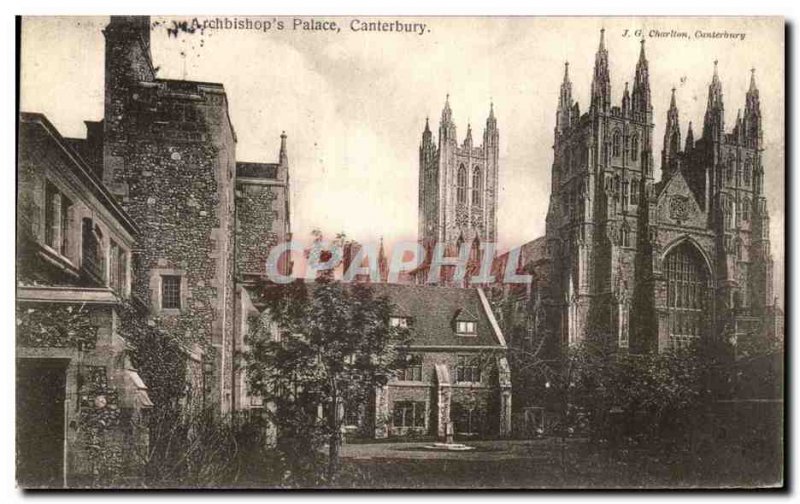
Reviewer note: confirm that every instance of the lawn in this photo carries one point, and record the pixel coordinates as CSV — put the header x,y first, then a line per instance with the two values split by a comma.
x,y
549,464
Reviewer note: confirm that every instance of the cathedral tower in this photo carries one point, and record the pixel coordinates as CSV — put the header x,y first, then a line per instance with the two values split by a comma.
x,y
458,184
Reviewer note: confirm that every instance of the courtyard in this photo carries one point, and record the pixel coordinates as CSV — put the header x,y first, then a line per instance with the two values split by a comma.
x,y
550,463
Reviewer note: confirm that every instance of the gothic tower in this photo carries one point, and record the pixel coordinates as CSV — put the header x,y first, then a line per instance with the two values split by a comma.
x,y
599,205
458,184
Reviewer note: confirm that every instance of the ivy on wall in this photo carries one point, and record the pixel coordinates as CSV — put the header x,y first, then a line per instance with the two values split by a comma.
x,y
59,326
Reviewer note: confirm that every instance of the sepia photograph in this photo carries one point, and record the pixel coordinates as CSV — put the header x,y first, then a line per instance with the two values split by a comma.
x,y
400,252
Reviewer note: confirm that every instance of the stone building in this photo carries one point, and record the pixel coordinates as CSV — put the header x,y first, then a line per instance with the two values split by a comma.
x,y
75,243
176,224
457,371
652,264
457,191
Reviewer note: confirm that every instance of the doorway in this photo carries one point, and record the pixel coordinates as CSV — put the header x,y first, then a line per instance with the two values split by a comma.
x,y
41,388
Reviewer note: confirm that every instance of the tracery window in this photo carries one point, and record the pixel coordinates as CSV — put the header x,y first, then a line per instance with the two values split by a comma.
x,y
461,185
477,185
616,144
688,294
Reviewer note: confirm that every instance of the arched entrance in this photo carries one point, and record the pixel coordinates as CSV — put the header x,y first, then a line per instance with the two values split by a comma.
x,y
689,294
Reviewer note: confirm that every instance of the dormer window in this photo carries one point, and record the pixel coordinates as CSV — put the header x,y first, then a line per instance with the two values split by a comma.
x,y
465,328
399,322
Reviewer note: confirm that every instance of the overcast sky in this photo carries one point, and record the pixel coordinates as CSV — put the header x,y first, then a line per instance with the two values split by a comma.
x,y
354,104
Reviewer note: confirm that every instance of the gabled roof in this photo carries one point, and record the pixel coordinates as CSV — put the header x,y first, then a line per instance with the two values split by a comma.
x,y
434,309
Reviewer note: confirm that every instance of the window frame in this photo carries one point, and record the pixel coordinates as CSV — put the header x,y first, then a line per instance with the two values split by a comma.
x,y
465,329
412,371
468,370
417,410
163,290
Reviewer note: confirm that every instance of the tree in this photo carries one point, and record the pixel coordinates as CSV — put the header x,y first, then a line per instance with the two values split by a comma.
x,y
315,351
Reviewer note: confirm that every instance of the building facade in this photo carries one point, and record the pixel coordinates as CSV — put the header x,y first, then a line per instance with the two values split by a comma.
x,y
161,214
458,184
457,371
653,264
73,275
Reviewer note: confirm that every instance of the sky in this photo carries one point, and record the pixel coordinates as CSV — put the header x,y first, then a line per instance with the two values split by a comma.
x,y
353,104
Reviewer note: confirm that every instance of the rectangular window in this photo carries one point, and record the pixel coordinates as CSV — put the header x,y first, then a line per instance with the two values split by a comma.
x,y
467,370
466,328
66,211
57,212
409,414
170,292
118,268
413,369
51,209
398,321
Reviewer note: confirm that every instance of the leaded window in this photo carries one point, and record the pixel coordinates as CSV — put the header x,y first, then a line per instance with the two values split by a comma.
x,y
688,294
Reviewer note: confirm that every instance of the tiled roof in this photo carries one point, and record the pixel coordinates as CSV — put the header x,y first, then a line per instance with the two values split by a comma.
x,y
433,310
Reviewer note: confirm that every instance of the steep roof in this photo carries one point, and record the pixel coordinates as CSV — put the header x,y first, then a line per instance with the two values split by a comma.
x,y
434,310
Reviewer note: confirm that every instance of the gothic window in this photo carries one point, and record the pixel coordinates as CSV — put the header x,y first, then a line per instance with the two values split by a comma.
x,y
738,250
728,211
745,210
688,290
461,185
625,238
477,185
625,193
748,169
634,192
635,148
616,144
729,170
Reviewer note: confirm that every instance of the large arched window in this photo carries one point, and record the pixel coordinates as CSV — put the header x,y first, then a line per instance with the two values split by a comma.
x,y
616,144
461,185
635,148
477,185
688,294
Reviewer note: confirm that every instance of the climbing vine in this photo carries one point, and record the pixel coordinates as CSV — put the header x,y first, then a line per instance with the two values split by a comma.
x,y
55,326
99,416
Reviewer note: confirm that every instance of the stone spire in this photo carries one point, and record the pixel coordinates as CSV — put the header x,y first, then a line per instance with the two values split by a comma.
x,y
689,138
752,113
564,102
714,121
601,82
447,128
626,100
383,263
468,139
672,138
641,85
